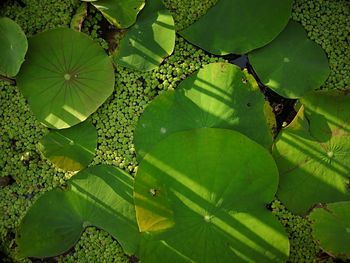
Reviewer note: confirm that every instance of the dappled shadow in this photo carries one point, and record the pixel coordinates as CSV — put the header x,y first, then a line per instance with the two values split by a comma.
x,y
313,159
109,205
208,213
142,47
200,103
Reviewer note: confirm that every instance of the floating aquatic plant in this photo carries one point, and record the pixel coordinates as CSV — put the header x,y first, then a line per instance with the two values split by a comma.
x,y
98,196
146,44
331,227
198,183
79,17
312,153
70,149
292,64
218,95
120,13
200,196
13,47
65,78
239,26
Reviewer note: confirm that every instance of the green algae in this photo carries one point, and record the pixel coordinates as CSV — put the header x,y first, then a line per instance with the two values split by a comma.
x,y
326,22
302,246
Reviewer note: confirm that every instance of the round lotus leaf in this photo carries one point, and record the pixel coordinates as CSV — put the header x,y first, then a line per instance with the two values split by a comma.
x,y
331,227
98,196
149,41
200,196
312,153
13,46
65,78
70,149
292,64
219,95
120,13
239,26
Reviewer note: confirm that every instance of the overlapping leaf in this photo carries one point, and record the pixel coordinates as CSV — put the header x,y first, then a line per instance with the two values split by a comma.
x,y
331,227
100,196
120,13
292,64
70,149
219,95
200,196
312,153
239,26
149,41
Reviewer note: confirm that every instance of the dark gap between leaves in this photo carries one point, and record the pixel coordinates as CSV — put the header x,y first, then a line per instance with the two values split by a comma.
x,y
283,108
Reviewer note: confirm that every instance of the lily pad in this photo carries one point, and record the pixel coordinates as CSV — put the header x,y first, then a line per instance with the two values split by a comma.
x,y
78,19
219,95
100,196
239,26
331,227
65,78
149,41
70,149
312,153
292,64
200,196
120,13
13,46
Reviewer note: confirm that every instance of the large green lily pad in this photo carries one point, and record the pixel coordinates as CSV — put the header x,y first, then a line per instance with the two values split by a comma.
x,y
65,78
331,227
200,196
100,196
13,46
149,41
121,13
312,153
292,64
70,149
239,26
219,95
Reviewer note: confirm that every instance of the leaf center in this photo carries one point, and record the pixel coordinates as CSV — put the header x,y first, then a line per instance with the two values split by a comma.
x,y
67,76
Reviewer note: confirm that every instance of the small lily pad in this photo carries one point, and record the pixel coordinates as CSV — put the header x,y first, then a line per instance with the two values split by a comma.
x,y
98,196
292,64
13,46
149,41
239,26
65,78
78,19
312,153
219,95
200,196
70,149
120,13
331,227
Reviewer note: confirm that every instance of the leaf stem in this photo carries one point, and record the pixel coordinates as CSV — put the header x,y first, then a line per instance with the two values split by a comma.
x,y
9,80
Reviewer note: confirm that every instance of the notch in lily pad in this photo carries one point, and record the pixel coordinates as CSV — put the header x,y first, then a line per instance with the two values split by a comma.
x,y
98,196
219,95
292,64
200,196
13,46
312,153
145,45
65,78
239,26
71,149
